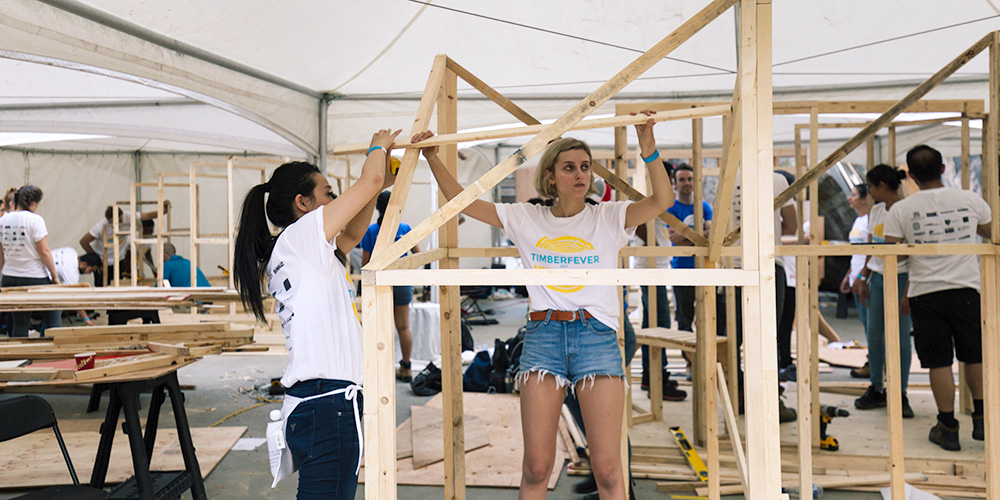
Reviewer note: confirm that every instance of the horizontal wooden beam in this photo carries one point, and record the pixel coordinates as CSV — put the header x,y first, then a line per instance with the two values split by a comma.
x,y
458,253
616,121
419,259
899,249
561,277
846,107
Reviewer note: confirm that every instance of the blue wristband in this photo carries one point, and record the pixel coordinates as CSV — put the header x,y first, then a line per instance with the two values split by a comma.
x,y
652,157
862,278
373,148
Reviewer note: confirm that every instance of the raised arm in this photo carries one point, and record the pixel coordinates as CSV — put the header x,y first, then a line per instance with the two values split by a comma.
x,y
347,217
150,215
480,210
662,198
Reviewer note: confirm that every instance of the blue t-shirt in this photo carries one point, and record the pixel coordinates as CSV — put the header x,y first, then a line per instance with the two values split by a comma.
x,y
177,270
685,213
368,242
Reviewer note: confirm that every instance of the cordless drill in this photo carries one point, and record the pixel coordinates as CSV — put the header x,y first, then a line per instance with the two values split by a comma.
x,y
826,415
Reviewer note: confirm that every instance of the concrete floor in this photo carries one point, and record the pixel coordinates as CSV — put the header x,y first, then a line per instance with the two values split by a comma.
x,y
231,382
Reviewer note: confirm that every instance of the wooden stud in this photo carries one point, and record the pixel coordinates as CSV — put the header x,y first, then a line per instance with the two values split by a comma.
x,y
727,178
756,158
991,304
159,234
733,429
870,152
892,146
971,106
535,145
966,170
193,220
455,69
451,328
894,387
380,405
614,277
814,229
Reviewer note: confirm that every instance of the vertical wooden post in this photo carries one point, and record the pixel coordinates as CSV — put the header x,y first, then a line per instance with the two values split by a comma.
x,y
870,152
894,387
231,232
104,249
892,146
621,170
159,235
990,303
193,218
757,157
451,328
703,368
732,347
133,246
812,361
804,335
966,154
380,403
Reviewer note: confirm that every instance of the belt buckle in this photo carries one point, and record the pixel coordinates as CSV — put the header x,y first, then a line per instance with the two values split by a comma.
x,y
576,315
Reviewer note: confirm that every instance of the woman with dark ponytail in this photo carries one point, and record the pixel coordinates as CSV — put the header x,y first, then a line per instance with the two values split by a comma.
x,y
883,185
305,273
401,295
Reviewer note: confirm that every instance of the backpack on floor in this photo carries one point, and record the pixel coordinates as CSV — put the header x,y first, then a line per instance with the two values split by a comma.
x,y
427,382
477,375
506,362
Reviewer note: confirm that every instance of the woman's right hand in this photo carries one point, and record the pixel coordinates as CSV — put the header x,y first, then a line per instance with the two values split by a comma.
x,y
860,289
430,151
385,139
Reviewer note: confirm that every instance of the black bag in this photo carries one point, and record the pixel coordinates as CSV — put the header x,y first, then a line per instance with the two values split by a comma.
x,y
468,344
427,382
506,362
477,376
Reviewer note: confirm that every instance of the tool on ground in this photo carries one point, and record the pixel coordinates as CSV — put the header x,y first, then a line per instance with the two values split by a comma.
x,y
225,272
690,453
826,415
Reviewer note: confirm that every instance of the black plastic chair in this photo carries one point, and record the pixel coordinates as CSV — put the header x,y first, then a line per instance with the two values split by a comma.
x,y
23,415
471,311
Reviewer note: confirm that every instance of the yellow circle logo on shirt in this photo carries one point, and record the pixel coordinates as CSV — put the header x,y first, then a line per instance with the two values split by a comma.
x,y
564,244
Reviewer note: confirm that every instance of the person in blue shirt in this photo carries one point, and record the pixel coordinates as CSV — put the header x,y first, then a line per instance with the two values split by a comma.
x,y
401,295
177,269
683,209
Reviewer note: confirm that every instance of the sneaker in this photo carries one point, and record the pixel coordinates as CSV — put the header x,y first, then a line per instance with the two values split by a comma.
x,y
863,372
403,374
785,414
586,487
672,393
907,411
872,398
787,374
945,437
978,431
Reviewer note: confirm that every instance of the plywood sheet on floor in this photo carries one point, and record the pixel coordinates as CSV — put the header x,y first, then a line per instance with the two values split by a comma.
x,y
497,465
428,435
35,460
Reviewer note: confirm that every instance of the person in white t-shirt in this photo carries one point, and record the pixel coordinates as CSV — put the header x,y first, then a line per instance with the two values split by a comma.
x,y
25,258
100,239
943,290
883,183
858,235
570,338
70,265
304,268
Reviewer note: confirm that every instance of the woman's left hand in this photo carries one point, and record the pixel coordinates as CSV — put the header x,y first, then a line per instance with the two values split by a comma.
x,y
647,143
390,177
904,306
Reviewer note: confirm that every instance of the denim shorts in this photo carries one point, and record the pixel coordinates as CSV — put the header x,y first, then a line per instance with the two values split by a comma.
x,y
570,350
402,295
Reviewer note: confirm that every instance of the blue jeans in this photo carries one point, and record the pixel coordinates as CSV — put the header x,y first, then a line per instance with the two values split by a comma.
x,y
863,312
21,321
876,332
323,438
662,320
570,350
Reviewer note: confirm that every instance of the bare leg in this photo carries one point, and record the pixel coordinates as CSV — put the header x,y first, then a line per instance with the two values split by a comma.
x,y
401,314
974,377
541,407
602,406
943,387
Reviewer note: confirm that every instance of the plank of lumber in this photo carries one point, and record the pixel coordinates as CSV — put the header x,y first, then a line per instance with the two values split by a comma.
x,y
144,363
159,328
428,435
29,374
170,349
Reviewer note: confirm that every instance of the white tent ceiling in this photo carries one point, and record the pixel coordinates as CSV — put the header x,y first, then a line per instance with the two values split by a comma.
x,y
192,75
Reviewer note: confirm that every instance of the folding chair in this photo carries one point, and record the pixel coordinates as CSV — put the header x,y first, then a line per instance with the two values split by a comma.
x,y
471,311
23,415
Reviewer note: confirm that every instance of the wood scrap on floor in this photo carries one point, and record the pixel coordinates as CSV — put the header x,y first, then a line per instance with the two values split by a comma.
x,y
35,461
428,435
497,465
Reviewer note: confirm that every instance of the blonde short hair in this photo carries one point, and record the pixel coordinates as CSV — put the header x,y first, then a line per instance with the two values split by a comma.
x,y
547,163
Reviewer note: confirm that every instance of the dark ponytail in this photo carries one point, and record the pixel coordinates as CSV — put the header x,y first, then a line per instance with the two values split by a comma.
x,y
381,204
884,174
254,241
27,195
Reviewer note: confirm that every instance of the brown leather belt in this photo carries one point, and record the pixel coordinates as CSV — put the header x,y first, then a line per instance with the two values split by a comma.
x,y
558,315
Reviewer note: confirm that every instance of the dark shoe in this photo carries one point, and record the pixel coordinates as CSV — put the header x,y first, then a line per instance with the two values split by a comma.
x,y
586,487
787,374
907,411
672,393
644,385
945,437
403,373
978,432
863,372
872,398
785,414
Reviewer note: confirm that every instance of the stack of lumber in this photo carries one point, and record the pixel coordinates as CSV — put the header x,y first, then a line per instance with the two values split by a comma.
x,y
120,350
43,298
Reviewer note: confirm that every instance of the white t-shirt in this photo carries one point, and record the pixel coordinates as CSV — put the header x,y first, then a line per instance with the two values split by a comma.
x,y
876,225
315,304
104,247
939,215
662,240
590,239
858,234
67,265
19,233
780,184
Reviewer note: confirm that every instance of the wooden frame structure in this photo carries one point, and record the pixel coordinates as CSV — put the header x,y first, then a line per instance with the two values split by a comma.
x,y
747,141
